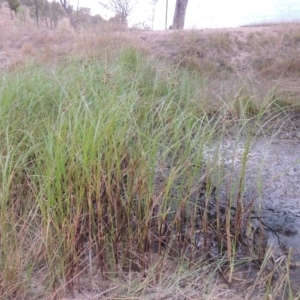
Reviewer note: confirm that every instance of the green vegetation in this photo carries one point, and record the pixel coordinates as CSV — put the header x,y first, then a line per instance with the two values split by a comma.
x,y
105,174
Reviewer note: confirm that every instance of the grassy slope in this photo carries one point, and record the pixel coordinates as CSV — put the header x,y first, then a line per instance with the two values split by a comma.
x,y
84,145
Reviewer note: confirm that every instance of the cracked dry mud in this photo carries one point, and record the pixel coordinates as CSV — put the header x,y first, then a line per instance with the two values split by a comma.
x,y
274,164
272,180
272,176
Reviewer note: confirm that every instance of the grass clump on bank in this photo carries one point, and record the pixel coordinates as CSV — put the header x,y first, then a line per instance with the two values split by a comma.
x,y
105,174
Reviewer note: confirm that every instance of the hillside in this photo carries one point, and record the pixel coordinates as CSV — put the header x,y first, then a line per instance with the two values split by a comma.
x,y
266,55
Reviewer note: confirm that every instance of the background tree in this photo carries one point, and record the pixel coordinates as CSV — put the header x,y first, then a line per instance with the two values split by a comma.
x,y
153,5
97,19
122,8
55,13
118,22
43,10
179,14
37,12
13,6
83,16
68,8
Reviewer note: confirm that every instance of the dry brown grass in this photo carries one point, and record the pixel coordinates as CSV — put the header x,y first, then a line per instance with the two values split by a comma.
x,y
22,42
260,58
22,45
266,54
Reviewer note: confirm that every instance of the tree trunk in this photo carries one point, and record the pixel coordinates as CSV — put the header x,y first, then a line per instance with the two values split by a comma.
x,y
37,14
179,15
69,11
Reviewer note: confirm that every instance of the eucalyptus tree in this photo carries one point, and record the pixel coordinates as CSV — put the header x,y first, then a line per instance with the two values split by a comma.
x,y
13,6
46,11
68,8
153,5
179,14
121,8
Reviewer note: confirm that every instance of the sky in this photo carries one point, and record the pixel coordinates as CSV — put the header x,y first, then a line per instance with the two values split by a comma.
x,y
208,14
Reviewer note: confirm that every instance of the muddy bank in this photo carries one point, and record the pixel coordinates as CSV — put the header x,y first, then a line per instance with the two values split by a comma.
x,y
272,174
272,184
273,170
273,180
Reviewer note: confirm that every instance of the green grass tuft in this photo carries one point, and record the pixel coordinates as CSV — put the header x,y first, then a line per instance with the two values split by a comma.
x,y
103,163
